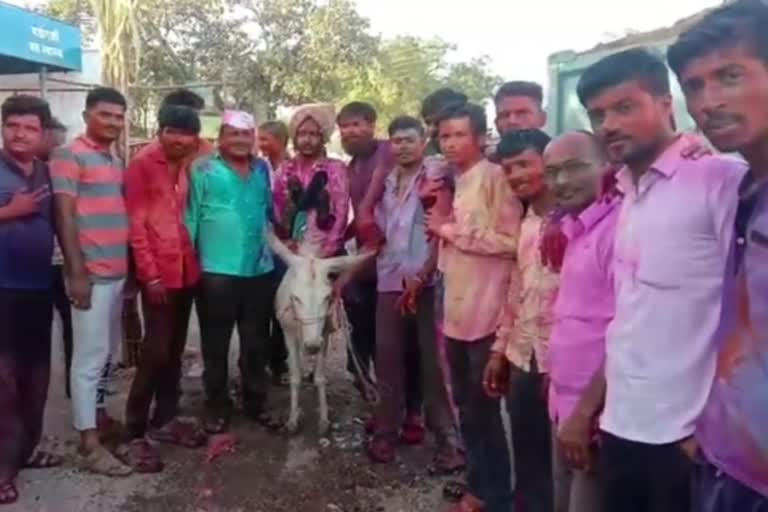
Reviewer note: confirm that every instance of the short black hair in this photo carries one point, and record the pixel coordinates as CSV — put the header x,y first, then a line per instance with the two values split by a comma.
x,y
277,129
515,142
475,113
24,105
521,88
184,98
744,22
105,95
357,109
442,99
179,117
638,64
405,123
55,124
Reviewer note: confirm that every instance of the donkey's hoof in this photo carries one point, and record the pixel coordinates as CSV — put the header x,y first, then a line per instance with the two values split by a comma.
x,y
292,426
323,427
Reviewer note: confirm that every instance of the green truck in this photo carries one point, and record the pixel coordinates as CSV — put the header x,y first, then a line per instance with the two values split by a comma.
x,y
565,68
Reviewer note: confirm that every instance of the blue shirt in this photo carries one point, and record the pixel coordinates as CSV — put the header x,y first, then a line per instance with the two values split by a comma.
x,y
26,243
227,215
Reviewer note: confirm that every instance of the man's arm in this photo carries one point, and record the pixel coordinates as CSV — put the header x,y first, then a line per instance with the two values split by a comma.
x,y
338,189
136,205
196,191
374,192
65,175
575,432
497,238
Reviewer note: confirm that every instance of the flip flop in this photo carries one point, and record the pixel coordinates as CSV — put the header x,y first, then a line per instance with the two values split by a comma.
x,y
142,457
43,460
8,493
101,462
181,433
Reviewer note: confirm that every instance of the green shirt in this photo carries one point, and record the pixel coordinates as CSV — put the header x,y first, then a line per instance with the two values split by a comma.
x,y
227,216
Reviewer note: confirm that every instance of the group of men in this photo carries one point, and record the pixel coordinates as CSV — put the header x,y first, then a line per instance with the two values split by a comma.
x,y
610,285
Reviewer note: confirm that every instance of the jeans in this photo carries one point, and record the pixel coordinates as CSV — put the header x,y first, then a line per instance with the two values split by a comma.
x,y
25,362
482,430
226,302
396,336
714,491
97,333
639,477
158,373
531,439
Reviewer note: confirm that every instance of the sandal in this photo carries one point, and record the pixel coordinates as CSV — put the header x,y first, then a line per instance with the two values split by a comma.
x,y
447,464
413,431
43,460
381,451
142,457
455,490
182,433
8,493
469,503
216,424
101,462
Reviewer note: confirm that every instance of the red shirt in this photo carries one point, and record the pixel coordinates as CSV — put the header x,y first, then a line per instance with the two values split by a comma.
x,y
160,241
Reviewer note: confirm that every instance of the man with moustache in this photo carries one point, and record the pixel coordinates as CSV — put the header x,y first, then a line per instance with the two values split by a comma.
x,y
722,66
672,245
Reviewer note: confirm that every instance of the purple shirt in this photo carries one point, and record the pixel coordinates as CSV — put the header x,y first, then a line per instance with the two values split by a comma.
x,y
585,305
361,169
401,219
733,430
673,238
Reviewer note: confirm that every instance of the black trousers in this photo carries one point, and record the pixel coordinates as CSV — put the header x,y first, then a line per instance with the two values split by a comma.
x,y
25,364
639,477
63,308
226,302
531,439
360,305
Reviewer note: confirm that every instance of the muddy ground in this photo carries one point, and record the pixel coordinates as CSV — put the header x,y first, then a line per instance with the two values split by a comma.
x,y
267,472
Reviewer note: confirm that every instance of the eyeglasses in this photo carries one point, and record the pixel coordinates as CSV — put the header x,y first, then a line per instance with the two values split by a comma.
x,y
567,170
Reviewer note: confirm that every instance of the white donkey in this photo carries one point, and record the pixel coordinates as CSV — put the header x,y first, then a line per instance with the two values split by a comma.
x,y
303,306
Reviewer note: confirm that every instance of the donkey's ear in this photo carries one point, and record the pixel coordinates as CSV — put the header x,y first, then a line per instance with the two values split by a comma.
x,y
339,264
279,248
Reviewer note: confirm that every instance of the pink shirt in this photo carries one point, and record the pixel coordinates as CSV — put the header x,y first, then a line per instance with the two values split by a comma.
x,y
526,321
477,252
672,242
330,241
584,307
733,430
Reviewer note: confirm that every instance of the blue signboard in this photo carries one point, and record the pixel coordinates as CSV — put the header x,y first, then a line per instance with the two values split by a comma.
x,y
30,41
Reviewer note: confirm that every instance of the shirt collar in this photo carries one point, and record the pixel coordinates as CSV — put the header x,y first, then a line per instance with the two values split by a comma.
x,y
665,166
85,139
37,165
589,218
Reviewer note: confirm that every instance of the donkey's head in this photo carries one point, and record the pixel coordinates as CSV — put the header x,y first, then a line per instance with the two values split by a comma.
x,y
305,295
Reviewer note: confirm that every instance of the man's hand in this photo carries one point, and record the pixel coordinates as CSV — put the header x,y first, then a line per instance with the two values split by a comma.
x,y
496,375
156,293
412,287
689,447
552,246
695,147
575,438
23,204
79,290
434,220
340,283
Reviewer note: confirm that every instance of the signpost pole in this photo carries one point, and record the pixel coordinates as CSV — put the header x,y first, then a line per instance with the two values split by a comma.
x,y
44,82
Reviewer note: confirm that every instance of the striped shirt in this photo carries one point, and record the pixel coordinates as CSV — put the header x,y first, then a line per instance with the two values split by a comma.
x,y
92,175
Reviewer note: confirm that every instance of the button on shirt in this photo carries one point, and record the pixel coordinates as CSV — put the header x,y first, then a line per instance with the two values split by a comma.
x,y
477,252
733,430
672,242
26,243
584,306
227,215
401,219
527,318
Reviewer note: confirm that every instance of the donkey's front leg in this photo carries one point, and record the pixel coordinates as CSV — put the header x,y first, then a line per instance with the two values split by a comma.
x,y
294,373
323,423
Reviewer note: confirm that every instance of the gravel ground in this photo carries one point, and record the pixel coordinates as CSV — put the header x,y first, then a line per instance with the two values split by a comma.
x,y
266,472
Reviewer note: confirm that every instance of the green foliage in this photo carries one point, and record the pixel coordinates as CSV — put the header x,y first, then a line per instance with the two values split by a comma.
x,y
271,53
